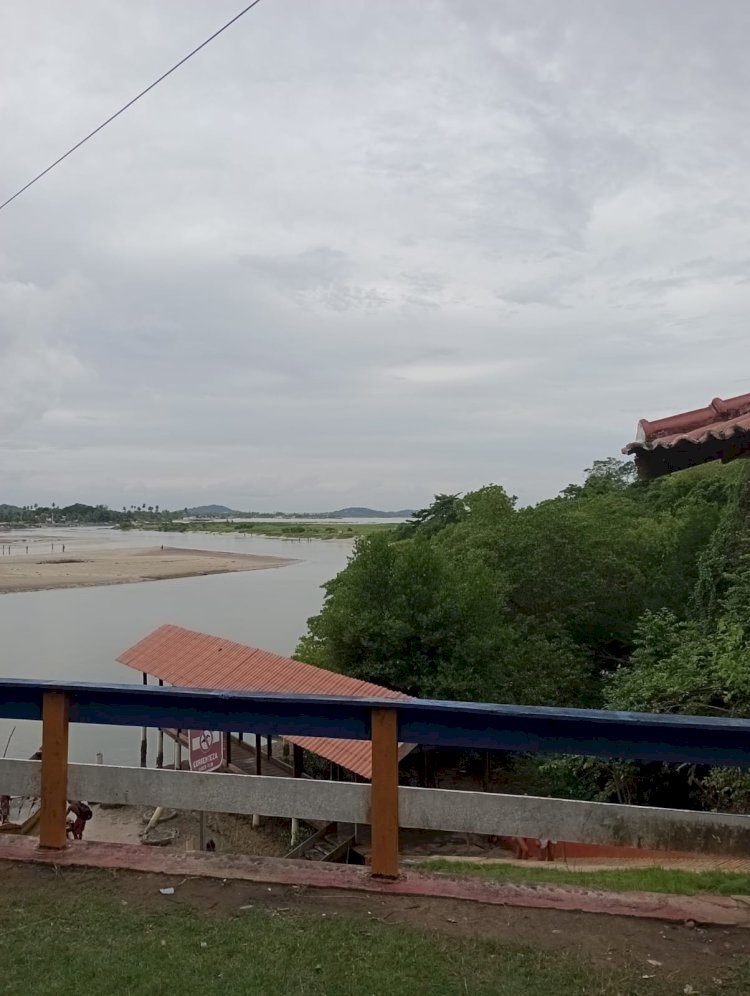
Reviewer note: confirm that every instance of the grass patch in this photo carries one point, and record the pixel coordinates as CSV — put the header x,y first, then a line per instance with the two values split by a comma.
x,y
67,939
282,530
670,880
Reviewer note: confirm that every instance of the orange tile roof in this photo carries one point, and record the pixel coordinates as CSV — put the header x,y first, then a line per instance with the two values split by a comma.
x,y
188,659
720,431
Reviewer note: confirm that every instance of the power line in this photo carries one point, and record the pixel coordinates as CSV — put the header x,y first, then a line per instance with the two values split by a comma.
x,y
129,104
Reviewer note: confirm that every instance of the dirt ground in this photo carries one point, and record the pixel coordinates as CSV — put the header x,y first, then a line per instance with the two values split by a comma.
x,y
230,833
437,844
235,834
35,572
687,955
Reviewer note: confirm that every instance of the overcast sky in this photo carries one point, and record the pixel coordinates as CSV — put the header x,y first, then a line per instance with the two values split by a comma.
x,y
358,252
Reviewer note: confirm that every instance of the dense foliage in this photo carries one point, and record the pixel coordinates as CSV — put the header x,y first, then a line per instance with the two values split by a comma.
x,y
617,593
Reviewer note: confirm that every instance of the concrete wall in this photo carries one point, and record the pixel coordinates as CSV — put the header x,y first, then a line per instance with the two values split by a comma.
x,y
20,777
435,809
221,793
570,820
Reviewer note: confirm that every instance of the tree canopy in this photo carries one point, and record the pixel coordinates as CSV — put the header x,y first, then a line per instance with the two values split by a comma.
x,y
618,593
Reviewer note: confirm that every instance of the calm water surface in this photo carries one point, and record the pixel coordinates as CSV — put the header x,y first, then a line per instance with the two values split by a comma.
x,y
77,633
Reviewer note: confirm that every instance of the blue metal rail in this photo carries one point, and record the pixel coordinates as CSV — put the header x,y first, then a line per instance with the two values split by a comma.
x,y
641,736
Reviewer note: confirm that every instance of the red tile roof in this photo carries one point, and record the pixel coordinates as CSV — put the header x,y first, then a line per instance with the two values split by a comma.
x,y
188,659
720,431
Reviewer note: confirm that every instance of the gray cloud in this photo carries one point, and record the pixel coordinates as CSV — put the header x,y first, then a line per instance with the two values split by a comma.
x,y
361,253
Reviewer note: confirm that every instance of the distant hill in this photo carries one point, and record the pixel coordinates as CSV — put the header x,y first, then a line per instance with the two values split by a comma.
x,y
213,511
353,512
80,512
368,513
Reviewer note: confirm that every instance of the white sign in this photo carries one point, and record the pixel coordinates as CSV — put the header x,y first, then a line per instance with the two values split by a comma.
x,y
206,750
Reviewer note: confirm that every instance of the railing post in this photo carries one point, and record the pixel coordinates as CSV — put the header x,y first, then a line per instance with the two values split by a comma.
x,y
384,794
52,831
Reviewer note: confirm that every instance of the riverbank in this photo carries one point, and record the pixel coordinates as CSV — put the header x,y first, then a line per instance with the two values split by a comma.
x,y
22,571
279,530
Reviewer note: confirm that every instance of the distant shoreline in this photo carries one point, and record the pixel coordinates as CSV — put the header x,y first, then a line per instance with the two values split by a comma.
x,y
21,572
275,530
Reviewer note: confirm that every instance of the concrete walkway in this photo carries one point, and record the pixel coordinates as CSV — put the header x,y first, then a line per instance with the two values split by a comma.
x,y
715,910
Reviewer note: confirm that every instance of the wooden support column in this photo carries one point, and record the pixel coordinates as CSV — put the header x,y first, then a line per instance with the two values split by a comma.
x,y
54,770
144,734
298,765
297,772
258,771
160,746
384,794
258,754
228,749
269,746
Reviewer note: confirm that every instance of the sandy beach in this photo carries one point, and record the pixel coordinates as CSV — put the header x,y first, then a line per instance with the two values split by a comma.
x,y
35,572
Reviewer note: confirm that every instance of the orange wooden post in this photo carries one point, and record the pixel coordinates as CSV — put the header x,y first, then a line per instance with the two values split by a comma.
x,y
384,794
54,770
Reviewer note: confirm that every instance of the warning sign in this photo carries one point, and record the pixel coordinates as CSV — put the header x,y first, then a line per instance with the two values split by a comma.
x,y
206,750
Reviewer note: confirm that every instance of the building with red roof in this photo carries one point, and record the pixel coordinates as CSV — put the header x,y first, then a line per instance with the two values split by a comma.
x,y
720,431
188,659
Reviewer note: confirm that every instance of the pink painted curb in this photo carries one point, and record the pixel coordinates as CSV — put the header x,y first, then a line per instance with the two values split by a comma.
x,y
715,910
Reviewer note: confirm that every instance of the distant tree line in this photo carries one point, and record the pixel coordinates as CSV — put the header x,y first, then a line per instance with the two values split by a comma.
x,y
80,514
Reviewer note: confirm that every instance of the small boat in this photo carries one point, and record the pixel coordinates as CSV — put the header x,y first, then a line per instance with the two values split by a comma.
x,y
23,811
23,816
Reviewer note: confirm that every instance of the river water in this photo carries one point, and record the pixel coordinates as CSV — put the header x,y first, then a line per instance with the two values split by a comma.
x,y
76,633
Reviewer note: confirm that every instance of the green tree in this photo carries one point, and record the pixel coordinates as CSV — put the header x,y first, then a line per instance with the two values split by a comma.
x,y
618,593
444,511
418,619
604,475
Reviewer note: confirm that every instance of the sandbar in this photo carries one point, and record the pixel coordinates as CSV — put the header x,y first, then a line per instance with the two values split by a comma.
x,y
32,572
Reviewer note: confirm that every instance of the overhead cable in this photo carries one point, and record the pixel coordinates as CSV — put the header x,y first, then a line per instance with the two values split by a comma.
x,y
130,103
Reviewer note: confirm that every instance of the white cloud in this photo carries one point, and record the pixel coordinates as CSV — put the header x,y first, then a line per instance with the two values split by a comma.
x,y
37,364
359,253
447,373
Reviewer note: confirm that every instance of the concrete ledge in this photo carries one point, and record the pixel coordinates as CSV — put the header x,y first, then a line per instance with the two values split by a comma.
x,y
345,802
20,777
714,910
643,827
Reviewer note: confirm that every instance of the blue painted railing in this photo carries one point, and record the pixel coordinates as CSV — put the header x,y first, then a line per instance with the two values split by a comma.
x,y
642,736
